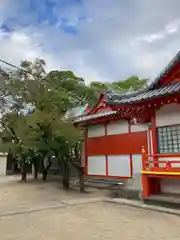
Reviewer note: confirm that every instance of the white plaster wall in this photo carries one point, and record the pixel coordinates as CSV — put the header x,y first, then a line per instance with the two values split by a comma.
x,y
96,131
137,163
135,183
168,115
119,165
170,186
138,127
3,162
97,165
148,142
117,127
151,141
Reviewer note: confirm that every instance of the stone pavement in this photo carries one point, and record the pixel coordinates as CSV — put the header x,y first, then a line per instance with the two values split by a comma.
x,y
40,211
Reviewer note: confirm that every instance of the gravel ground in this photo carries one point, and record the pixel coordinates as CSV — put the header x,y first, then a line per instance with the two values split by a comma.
x,y
91,221
18,196
78,220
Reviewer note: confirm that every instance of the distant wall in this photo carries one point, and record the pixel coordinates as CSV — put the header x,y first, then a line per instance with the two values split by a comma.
x,y
3,164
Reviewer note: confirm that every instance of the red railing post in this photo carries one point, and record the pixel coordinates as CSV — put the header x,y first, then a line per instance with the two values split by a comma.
x,y
156,162
144,158
168,165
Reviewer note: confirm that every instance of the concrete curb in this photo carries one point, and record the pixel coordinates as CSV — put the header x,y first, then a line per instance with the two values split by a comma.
x,y
141,205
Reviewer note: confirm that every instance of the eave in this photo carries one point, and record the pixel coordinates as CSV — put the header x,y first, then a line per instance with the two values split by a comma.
x,y
167,72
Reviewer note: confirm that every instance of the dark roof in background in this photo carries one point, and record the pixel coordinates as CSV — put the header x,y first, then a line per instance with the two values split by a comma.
x,y
76,112
113,98
3,73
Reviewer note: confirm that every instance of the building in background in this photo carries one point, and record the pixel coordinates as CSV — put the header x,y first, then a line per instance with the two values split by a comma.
x,y
136,136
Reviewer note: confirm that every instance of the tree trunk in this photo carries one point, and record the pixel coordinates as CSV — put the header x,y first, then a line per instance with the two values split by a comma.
x,y
46,168
65,176
44,175
81,179
35,167
35,172
23,174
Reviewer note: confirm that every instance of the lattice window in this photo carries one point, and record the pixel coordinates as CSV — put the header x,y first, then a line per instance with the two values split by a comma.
x,y
169,139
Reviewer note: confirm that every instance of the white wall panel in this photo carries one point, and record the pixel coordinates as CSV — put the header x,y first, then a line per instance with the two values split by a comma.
x,y
117,127
170,186
138,127
175,165
137,163
3,162
97,165
96,131
168,115
135,183
151,141
148,141
119,165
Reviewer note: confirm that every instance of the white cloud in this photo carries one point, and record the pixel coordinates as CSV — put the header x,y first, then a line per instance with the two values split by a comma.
x,y
169,29
173,27
115,40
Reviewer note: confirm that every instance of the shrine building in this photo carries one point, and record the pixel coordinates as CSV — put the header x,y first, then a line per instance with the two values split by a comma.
x,y
137,135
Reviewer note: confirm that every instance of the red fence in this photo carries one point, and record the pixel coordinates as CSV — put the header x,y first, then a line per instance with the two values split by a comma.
x,y
151,162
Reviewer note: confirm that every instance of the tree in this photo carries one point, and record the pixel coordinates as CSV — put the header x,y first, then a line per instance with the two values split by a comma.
x,y
129,84
13,139
33,125
41,101
73,89
50,136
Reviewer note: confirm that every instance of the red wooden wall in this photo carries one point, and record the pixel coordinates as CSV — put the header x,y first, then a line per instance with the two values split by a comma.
x,y
129,143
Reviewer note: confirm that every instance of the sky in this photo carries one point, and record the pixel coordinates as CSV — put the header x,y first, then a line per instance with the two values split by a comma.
x,y
100,40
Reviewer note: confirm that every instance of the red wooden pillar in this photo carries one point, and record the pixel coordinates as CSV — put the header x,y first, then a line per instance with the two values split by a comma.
x,y
146,186
131,163
149,185
106,154
144,158
85,152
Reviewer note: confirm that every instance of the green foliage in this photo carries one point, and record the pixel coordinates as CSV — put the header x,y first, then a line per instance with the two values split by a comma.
x,y
72,89
43,132
50,95
132,83
129,84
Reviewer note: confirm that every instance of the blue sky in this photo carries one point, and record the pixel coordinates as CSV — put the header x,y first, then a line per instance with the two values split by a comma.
x,y
101,40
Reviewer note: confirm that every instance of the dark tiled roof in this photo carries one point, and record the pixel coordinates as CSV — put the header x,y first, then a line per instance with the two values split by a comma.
x,y
165,70
116,98
94,116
